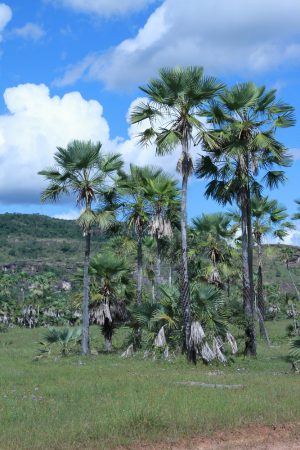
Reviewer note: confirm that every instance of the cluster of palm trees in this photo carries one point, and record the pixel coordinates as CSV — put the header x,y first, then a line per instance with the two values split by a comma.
x,y
234,132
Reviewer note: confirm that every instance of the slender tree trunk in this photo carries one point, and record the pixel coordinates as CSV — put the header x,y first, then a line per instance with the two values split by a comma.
x,y
153,291
260,293
250,260
170,275
185,288
260,289
158,267
139,270
250,335
85,302
262,327
158,260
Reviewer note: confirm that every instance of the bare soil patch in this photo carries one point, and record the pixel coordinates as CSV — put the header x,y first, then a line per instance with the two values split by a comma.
x,y
253,437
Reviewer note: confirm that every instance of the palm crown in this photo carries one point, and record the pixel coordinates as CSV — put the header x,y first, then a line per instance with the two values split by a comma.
x,y
82,171
242,141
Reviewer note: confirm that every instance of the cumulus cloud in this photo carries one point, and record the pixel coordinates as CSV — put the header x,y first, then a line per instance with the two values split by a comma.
x,y
5,17
36,123
235,35
104,8
29,31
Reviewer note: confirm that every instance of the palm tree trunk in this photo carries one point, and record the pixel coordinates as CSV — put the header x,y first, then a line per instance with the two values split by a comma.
x,y
85,302
260,291
107,331
185,288
139,270
158,266
170,275
250,335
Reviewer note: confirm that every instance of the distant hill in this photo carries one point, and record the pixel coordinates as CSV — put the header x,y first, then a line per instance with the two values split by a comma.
x,y
33,239
38,243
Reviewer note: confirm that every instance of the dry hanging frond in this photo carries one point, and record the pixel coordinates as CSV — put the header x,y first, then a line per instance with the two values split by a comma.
x,y
166,353
160,340
217,350
207,353
214,276
128,352
197,334
168,231
99,313
161,227
157,226
232,342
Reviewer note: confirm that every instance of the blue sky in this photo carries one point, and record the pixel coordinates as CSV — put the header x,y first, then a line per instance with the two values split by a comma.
x,y
70,69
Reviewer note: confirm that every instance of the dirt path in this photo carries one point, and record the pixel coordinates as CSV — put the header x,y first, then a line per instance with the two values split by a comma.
x,y
282,437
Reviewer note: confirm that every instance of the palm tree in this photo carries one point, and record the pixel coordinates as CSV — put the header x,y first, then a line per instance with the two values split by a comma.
x,y
241,143
211,232
173,114
109,290
163,197
137,214
268,218
82,170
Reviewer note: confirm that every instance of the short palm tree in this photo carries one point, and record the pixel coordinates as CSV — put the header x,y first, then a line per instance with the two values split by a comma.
x,y
110,285
210,232
82,171
241,143
173,113
164,202
136,210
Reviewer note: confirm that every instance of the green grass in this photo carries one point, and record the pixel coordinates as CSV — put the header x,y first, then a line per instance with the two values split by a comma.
x,y
103,401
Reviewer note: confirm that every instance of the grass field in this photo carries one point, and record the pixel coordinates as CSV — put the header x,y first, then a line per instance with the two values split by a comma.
x,y
103,401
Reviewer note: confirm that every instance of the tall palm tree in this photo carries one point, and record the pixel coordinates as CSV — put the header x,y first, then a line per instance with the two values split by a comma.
x,y
241,143
82,171
136,209
173,114
163,196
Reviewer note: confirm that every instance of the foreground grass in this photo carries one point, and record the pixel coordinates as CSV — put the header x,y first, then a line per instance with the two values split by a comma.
x,y
102,401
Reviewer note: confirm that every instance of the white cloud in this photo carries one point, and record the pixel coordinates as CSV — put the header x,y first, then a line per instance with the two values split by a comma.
x,y
231,35
293,238
5,17
29,31
37,123
71,214
104,8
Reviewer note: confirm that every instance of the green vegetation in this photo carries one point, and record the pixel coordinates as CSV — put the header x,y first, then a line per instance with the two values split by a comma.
x,y
104,401
155,287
